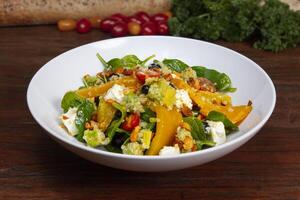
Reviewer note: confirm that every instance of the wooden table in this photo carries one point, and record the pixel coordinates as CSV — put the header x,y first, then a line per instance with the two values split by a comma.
x,y
32,166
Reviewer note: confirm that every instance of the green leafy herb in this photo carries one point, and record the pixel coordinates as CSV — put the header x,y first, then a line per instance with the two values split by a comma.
x,y
221,80
197,128
205,143
115,63
70,100
198,133
105,64
128,61
277,26
217,116
113,148
175,64
147,115
84,114
113,127
91,80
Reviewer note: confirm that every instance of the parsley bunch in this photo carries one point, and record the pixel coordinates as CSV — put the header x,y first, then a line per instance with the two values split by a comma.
x,y
273,26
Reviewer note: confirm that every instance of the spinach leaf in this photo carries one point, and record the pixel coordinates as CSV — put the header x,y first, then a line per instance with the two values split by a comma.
x,y
175,64
119,130
197,128
147,59
114,125
128,61
84,114
112,148
147,115
105,64
197,131
221,80
217,116
206,143
115,63
70,100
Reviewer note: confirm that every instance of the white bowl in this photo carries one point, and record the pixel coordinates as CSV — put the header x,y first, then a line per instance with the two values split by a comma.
x,y
64,73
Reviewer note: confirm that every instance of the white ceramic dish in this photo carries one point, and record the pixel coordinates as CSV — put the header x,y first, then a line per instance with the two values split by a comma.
x,y
64,73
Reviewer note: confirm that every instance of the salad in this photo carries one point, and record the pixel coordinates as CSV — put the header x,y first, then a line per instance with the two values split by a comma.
x,y
162,108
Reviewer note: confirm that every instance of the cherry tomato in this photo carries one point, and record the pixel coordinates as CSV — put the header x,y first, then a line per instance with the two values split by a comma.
x,y
168,13
143,75
134,19
119,17
143,17
162,28
95,21
149,28
131,122
107,24
134,28
66,24
159,17
83,26
119,30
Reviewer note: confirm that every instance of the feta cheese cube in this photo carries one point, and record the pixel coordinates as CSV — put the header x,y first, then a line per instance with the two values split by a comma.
x,y
183,98
116,93
217,131
169,150
68,120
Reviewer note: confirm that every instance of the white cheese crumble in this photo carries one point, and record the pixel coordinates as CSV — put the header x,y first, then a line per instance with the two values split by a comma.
x,y
182,98
68,119
217,131
115,93
169,150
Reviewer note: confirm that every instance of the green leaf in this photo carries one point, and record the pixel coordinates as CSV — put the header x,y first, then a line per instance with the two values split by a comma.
x,y
197,128
145,116
113,127
131,61
221,80
115,63
70,100
220,117
206,143
128,61
104,63
175,64
147,59
84,114
112,148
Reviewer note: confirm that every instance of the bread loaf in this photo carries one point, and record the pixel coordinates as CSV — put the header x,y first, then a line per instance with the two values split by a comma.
x,y
25,12
22,12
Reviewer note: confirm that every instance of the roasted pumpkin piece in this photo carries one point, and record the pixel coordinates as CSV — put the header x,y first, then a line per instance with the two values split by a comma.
x,y
206,96
166,128
105,114
101,89
215,102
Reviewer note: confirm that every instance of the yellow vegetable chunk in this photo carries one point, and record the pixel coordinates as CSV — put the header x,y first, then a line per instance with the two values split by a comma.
x,y
101,89
105,114
169,97
166,128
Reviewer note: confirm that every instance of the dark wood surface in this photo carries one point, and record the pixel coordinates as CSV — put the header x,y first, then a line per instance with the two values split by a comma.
x,y
32,166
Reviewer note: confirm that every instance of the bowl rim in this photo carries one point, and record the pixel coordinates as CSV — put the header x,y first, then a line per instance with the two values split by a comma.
x,y
237,140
